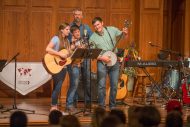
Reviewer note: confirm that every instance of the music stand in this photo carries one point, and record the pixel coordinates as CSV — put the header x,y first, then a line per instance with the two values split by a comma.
x,y
81,53
14,99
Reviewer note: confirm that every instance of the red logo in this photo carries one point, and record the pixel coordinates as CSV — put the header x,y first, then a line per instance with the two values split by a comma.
x,y
24,71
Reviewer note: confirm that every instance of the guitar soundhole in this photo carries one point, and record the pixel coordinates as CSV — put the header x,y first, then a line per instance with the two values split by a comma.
x,y
62,62
121,83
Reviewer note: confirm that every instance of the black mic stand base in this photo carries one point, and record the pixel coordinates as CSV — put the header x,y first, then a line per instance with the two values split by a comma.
x,y
14,108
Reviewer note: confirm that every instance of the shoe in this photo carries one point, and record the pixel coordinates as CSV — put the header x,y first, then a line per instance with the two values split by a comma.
x,y
54,107
112,108
71,110
65,113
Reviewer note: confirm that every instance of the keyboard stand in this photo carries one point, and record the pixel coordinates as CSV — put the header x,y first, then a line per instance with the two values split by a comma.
x,y
155,86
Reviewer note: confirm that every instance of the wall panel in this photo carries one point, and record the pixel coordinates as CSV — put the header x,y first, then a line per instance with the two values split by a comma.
x,y
151,4
17,3
121,4
150,31
70,4
15,33
95,4
42,3
41,23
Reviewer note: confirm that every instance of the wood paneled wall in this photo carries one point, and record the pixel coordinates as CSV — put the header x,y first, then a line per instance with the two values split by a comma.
x,y
27,26
186,48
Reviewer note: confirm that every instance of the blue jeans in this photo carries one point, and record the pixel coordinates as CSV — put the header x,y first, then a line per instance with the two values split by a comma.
x,y
85,71
74,74
57,84
113,73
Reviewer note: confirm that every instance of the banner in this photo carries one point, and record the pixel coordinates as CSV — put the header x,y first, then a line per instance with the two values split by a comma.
x,y
29,76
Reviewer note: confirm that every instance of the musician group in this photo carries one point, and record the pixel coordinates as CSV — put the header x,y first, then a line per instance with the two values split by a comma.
x,y
78,35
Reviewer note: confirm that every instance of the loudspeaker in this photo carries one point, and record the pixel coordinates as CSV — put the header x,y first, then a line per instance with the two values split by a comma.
x,y
94,88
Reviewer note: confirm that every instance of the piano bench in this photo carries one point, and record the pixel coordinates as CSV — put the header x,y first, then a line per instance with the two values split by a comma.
x,y
141,84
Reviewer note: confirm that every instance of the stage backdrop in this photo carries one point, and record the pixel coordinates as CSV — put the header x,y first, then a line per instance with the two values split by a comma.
x,y
29,76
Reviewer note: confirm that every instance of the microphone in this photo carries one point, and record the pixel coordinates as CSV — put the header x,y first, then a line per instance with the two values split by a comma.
x,y
85,33
150,43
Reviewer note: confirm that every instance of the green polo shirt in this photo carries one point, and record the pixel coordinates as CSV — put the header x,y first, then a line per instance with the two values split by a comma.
x,y
104,41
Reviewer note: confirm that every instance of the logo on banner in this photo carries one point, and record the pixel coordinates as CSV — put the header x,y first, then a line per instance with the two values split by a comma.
x,y
24,75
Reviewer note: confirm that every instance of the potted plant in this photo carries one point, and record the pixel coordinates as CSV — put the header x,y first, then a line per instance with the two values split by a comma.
x,y
131,54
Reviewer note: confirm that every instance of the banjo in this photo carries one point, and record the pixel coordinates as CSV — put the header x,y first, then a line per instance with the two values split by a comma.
x,y
111,54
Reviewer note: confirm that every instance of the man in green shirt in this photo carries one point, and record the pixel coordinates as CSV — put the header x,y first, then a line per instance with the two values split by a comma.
x,y
105,38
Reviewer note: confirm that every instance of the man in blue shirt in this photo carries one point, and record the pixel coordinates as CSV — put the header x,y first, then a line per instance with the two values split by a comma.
x,y
85,33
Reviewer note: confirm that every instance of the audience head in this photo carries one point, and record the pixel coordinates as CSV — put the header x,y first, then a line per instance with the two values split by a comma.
x,y
120,114
149,116
174,105
111,121
54,117
188,121
98,115
18,119
134,115
69,121
174,119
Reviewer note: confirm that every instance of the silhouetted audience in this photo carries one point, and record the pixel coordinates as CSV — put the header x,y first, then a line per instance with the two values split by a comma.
x,y
188,121
120,114
174,119
133,116
149,116
111,121
69,121
174,105
98,115
18,119
54,117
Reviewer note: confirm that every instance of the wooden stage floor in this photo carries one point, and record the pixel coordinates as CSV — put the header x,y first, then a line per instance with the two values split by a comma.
x,y
41,107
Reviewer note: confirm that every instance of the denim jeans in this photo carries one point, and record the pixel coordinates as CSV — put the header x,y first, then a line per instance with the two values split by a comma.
x,y
57,84
113,73
74,73
85,71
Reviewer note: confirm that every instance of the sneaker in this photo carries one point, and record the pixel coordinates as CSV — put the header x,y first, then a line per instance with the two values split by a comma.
x,y
71,110
65,113
54,107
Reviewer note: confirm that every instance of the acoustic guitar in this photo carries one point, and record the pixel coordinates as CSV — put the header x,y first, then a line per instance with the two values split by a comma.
x,y
122,82
54,64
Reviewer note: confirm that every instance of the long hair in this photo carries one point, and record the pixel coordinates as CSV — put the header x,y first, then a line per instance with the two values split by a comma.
x,y
64,43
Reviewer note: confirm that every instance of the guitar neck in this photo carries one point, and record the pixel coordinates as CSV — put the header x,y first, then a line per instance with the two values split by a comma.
x,y
120,36
123,62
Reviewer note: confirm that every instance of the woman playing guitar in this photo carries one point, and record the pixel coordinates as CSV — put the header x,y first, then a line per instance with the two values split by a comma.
x,y
59,47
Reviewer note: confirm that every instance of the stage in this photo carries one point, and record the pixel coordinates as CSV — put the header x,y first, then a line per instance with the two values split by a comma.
x,y
41,107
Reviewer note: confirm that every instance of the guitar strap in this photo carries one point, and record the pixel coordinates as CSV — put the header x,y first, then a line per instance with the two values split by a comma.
x,y
109,36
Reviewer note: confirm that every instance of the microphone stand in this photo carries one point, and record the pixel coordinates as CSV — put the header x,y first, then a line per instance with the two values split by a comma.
x,y
14,107
88,55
